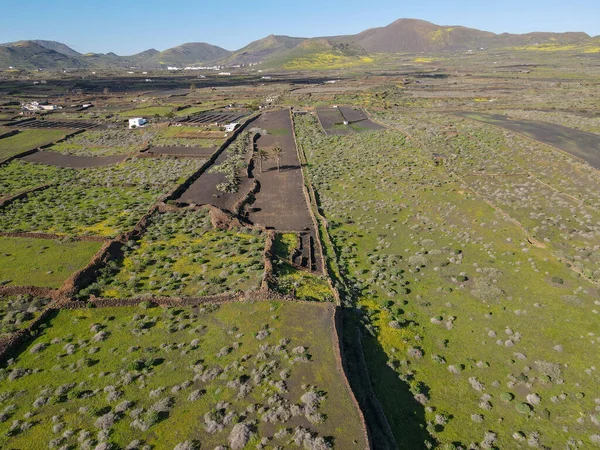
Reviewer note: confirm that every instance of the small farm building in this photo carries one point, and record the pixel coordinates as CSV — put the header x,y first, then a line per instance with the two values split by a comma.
x,y
137,122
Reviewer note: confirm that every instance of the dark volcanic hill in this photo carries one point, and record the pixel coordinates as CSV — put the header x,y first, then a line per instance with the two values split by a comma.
x,y
413,36
401,36
189,54
28,54
264,49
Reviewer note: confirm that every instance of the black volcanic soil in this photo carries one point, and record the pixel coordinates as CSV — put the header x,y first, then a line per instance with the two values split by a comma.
x,y
578,143
71,161
280,203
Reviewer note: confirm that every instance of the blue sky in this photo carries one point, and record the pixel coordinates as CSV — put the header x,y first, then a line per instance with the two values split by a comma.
x,y
127,27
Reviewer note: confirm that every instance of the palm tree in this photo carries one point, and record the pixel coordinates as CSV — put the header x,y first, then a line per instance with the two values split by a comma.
x,y
261,155
277,151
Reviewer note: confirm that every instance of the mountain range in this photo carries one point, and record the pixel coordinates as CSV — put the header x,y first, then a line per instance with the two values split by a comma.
x,y
401,36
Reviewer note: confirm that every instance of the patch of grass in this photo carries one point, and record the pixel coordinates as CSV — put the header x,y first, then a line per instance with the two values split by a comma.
x,y
17,312
19,176
28,140
72,209
182,255
148,111
166,376
42,262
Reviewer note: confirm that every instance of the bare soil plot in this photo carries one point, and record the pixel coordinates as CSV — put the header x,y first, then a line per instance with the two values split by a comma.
x,y
204,190
56,124
183,151
358,119
581,144
280,203
332,121
76,162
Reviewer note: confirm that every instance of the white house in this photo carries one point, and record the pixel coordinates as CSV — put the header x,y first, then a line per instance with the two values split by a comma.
x,y
231,126
137,122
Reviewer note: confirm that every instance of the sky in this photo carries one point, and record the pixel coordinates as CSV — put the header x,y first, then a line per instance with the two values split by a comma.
x,y
128,27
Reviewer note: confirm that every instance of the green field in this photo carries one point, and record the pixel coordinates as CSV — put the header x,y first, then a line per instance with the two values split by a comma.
x,y
42,262
28,140
182,255
460,310
19,176
233,374
148,111
17,312
73,209
105,142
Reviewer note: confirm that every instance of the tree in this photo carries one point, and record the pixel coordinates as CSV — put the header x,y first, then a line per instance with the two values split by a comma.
x,y
277,152
261,155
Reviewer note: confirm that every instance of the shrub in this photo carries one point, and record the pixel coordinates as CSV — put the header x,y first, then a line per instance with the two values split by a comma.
x,y
524,408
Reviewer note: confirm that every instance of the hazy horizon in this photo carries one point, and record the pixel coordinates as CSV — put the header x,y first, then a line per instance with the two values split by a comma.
x,y
131,28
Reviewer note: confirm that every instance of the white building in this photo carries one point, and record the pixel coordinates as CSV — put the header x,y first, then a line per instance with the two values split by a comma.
x,y
231,126
137,122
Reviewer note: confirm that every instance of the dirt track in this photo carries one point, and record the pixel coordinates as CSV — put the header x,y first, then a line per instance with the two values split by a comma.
x,y
71,161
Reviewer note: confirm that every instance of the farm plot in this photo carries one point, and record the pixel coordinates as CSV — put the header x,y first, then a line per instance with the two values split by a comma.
x,y
183,151
42,262
280,204
28,140
158,173
578,143
205,139
73,209
55,125
358,119
69,161
19,176
455,301
213,117
181,254
332,121
148,111
109,142
17,312
165,377
226,181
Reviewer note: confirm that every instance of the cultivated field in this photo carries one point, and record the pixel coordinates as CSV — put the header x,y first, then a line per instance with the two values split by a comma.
x,y
28,140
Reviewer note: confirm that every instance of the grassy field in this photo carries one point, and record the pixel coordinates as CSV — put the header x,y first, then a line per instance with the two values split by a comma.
x,y
28,140
19,176
17,312
459,308
42,262
208,376
188,136
105,142
148,111
73,209
182,255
